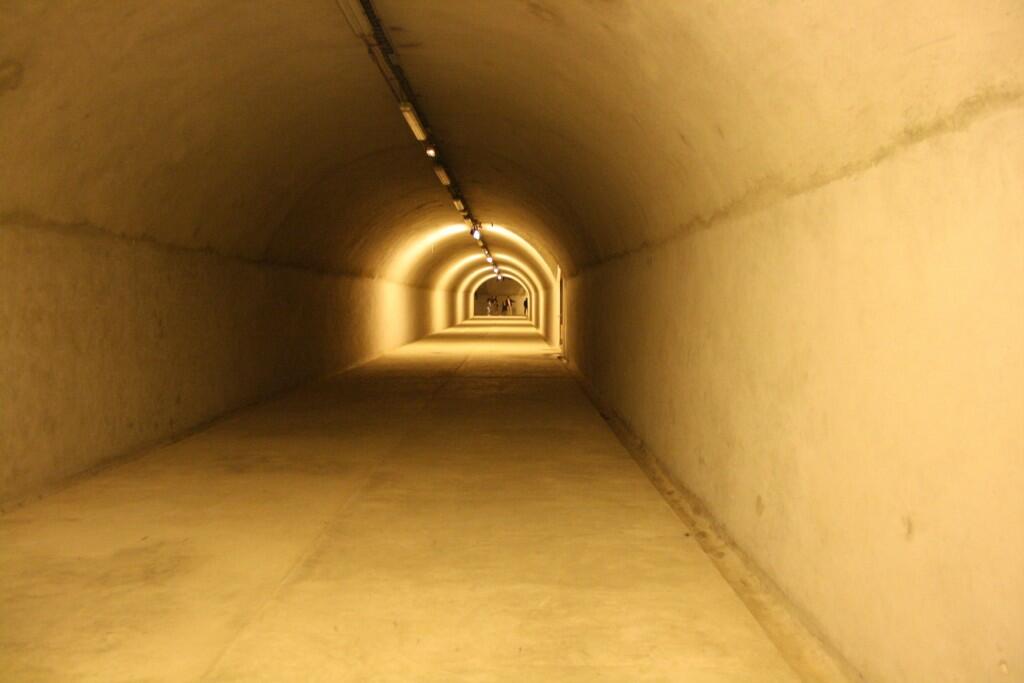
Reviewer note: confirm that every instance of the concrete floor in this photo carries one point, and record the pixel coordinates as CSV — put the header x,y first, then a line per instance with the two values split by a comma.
x,y
456,510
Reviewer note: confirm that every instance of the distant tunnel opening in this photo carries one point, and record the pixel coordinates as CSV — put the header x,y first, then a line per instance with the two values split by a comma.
x,y
505,297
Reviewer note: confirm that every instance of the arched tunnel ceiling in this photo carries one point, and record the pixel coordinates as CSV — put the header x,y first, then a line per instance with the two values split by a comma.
x,y
491,281
263,130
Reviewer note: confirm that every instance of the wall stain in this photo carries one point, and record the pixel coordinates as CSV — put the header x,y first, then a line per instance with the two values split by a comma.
x,y
153,563
11,74
908,527
544,13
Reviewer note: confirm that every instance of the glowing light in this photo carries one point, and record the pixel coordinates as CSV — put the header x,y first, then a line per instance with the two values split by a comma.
x,y
414,122
490,259
417,247
476,233
522,243
458,204
465,292
431,151
442,175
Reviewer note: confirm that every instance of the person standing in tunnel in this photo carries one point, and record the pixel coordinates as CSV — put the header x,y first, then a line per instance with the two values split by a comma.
x,y
526,307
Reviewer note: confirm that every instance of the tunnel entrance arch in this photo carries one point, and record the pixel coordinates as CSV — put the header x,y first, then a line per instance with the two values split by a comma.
x,y
502,296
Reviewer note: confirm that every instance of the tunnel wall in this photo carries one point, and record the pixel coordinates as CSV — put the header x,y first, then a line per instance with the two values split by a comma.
x,y
548,318
839,377
110,344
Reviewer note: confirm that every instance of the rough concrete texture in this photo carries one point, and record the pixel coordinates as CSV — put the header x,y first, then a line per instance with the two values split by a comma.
x,y
846,396
371,527
791,233
107,346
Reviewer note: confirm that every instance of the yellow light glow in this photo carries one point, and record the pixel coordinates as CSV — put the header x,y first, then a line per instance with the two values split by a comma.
x,y
443,303
520,242
414,121
437,260
473,280
417,247
526,277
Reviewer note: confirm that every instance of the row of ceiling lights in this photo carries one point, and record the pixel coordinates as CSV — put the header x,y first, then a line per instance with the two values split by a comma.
x,y
365,23
420,132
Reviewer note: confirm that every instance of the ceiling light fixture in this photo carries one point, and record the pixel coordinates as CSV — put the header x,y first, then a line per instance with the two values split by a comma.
x,y
357,19
413,119
367,25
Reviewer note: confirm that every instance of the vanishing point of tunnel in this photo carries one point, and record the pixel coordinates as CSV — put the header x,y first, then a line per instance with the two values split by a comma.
x,y
512,340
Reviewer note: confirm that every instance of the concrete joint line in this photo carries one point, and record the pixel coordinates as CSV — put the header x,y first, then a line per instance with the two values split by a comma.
x,y
323,533
315,544
28,221
772,190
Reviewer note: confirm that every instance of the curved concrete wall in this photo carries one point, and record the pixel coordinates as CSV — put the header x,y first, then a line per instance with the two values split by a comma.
x,y
109,345
791,234
845,394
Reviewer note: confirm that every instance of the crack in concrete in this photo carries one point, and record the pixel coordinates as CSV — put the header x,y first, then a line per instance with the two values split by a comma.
x,y
11,74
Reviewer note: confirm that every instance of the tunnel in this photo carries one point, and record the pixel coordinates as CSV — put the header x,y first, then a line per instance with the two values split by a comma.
x,y
763,419
499,294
